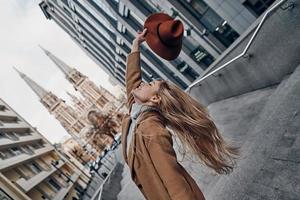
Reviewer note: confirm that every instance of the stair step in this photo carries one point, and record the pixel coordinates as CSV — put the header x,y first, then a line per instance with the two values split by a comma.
x,y
269,157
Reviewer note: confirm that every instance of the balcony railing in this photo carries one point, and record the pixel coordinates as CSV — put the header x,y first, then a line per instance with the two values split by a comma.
x,y
24,156
36,179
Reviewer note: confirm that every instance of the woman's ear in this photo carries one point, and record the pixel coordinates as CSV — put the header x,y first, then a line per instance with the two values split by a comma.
x,y
155,99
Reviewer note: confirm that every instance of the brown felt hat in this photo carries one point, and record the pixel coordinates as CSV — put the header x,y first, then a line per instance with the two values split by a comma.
x,y
164,35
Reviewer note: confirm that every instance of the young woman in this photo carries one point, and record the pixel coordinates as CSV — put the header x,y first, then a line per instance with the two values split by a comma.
x,y
148,148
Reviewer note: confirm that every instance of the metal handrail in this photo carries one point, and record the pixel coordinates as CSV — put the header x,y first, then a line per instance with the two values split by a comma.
x,y
244,51
100,189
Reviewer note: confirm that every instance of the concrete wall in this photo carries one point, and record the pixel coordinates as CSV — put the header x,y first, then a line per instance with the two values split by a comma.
x,y
275,53
233,11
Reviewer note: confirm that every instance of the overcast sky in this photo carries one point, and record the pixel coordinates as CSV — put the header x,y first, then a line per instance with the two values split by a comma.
x,y
23,28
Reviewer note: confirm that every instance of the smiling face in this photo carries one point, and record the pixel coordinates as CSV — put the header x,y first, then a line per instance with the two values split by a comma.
x,y
146,93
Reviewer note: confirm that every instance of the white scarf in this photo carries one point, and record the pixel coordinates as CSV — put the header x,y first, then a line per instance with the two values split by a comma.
x,y
136,110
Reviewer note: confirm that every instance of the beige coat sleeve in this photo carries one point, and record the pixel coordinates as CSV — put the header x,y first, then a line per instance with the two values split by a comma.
x,y
163,156
133,76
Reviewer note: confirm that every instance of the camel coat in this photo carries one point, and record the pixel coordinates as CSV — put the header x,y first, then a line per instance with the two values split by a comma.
x,y
152,162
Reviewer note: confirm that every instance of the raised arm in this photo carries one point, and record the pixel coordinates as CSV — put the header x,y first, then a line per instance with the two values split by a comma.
x,y
133,69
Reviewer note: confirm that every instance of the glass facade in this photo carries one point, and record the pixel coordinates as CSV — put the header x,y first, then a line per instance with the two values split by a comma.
x,y
105,30
257,7
211,21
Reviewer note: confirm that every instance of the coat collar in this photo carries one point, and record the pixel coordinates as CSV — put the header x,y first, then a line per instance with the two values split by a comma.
x,y
137,109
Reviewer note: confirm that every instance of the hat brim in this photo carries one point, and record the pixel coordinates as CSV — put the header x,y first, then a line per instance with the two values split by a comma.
x,y
152,38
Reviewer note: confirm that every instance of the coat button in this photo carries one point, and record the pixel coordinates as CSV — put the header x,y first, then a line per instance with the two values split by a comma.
x,y
140,186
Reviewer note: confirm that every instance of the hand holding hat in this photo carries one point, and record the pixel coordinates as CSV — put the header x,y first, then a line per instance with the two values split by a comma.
x,y
164,35
140,37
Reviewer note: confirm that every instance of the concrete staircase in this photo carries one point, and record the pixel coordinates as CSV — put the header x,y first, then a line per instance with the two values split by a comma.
x,y
269,167
266,124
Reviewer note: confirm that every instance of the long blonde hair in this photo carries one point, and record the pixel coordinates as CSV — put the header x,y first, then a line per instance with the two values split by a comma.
x,y
192,124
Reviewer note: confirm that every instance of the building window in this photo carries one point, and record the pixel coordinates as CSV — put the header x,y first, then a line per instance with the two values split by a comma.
x,y
16,150
140,21
3,135
180,83
225,33
43,165
65,2
101,6
37,145
24,172
54,185
67,11
123,10
199,6
52,9
2,108
34,167
13,136
27,149
201,56
121,28
120,41
25,133
44,195
118,51
257,7
5,154
187,71
9,120
211,21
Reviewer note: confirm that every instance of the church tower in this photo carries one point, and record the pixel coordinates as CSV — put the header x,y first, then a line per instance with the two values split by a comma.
x,y
80,105
57,107
98,96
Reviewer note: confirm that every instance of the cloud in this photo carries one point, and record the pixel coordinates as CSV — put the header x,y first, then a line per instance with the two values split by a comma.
x,y
23,28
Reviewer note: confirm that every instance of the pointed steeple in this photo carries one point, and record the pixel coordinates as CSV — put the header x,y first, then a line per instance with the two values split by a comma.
x,y
59,63
41,92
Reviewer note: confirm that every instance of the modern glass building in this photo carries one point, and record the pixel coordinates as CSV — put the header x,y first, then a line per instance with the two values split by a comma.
x,y
104,29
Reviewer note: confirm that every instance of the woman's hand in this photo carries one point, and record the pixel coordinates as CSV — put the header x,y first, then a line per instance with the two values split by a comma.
x,y
140,37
